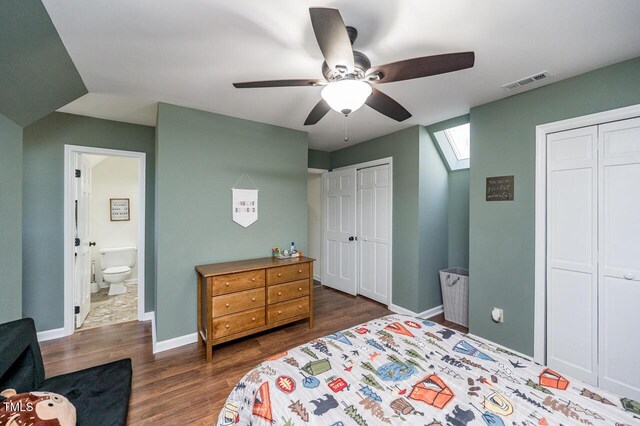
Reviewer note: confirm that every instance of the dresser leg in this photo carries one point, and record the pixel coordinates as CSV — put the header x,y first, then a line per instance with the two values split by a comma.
x,y
209,349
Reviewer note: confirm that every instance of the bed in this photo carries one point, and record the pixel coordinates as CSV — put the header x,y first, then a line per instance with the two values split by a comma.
x,y
404,370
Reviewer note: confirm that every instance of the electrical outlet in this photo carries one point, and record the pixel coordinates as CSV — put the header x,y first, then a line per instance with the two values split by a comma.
x,y
497,315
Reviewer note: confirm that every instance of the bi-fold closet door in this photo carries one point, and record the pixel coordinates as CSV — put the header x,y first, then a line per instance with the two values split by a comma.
x,y
593,255
357,231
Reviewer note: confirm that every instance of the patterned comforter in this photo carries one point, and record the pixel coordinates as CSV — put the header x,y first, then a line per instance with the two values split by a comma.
x,y
404,370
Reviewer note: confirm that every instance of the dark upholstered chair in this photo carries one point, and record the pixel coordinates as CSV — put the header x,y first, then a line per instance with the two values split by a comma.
x,y
100,394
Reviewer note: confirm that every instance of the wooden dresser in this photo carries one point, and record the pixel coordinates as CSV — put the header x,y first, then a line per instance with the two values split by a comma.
x,y
236,299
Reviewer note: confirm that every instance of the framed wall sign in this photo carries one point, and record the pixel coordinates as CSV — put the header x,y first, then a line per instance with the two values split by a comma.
x,y
500,188
119,209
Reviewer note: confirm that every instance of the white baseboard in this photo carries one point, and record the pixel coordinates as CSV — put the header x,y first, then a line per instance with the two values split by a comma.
x,y
431,312
133,281
424,314
148,316
317,277
489,342
56,333
176,342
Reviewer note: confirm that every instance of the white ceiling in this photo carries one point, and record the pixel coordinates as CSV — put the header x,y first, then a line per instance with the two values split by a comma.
x,y
133,53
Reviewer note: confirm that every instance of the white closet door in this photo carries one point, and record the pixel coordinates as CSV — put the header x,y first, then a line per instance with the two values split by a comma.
x,y
619,288
340,230
572,315
373,233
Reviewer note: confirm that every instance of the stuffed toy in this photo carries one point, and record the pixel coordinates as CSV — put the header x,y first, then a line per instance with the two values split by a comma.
x,y
36,409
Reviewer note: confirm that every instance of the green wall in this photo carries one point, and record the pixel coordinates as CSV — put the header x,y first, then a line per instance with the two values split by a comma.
x,y
416,167
200,156
433,216
459,218
502,233
43,190
38,75
10,219
319,159
458,199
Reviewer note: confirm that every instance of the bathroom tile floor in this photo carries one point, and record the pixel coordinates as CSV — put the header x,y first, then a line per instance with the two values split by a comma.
x,y
107,309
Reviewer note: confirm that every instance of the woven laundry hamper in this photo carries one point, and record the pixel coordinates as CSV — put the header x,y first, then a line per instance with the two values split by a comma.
x,y
455,295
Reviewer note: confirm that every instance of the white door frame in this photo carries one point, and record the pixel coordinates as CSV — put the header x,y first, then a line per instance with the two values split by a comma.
x,y
319,266
367,164
69,153
540,308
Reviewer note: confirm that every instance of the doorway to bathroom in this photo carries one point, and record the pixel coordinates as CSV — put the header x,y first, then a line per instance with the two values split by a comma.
x,y
104,223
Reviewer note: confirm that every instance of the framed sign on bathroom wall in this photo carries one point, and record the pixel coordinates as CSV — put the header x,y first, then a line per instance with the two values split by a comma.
x,y
119,209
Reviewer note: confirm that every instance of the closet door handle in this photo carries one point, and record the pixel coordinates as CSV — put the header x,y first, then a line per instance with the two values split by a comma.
x,y
629,276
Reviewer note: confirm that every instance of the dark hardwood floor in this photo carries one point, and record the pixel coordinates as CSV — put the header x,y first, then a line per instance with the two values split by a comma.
x,y
178,387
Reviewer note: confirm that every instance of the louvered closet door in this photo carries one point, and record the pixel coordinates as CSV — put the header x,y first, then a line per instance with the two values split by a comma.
x,y
619,281
572,328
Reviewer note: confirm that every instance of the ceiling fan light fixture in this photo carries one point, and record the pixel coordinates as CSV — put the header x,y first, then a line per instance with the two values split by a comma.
x,y
346,96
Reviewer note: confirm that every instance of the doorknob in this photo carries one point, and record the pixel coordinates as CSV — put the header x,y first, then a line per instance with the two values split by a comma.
x,y
629,276
92,243
353,238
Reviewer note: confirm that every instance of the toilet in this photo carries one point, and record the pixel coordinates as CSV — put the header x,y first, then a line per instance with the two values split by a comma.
x,y
116,264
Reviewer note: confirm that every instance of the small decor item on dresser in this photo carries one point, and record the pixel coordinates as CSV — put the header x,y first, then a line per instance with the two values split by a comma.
x,y
244,206
275,251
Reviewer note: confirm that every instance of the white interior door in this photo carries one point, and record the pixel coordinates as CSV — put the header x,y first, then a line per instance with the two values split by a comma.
x,y
82,275
572,303
619,288
374,233
339,231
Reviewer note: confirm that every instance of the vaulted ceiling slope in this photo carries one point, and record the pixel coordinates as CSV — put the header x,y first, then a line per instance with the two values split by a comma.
x,y
189,53
37,76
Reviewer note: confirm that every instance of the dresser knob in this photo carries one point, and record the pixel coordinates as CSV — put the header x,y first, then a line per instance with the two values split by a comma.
x,y
279,312
279,293
299,306
299,271
253,319
253,299
227,284
226,304
253,279
279,275
227,326
299,288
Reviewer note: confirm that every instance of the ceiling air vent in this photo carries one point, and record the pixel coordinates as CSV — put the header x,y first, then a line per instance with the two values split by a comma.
x,y
527,80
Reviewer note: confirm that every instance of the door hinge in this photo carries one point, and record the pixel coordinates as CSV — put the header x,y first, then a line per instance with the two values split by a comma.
x,y
76,309
78,173
77,242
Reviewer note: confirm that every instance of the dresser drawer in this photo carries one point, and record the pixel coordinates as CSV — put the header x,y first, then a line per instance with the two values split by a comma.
x,y
230,283
284,310
238,302
283,274
281,292
236,323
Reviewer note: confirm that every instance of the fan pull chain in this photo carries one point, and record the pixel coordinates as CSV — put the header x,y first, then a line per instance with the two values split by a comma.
x,y
346,127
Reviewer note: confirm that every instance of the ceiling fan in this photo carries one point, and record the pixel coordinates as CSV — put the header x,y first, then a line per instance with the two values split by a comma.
x,y
348,74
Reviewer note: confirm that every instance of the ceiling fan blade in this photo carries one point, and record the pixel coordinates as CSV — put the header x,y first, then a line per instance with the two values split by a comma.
x,y
320,110
332,37
278,83
421,67
386,105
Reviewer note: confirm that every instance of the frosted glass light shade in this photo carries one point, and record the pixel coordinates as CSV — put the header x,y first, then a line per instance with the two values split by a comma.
x,y
346,96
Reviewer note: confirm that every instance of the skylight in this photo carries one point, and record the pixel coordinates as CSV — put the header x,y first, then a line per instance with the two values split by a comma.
x,y
459,139
455,145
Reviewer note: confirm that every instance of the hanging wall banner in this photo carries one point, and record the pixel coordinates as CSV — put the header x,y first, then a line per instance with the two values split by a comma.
x,y
245,206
